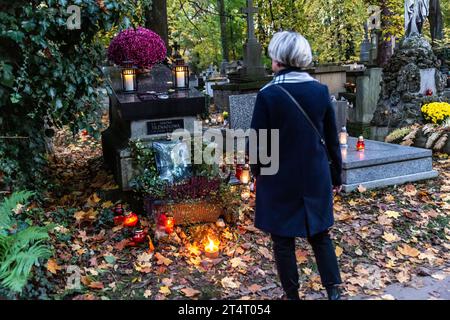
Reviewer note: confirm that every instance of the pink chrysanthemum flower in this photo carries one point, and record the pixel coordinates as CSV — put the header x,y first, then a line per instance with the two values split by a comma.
x,y
142,46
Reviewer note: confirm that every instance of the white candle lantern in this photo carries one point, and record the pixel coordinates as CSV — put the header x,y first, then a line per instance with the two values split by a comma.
x,y
129,77
180,74
343,137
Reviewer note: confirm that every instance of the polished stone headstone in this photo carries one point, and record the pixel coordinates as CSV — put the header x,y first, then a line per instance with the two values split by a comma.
x,y
383,164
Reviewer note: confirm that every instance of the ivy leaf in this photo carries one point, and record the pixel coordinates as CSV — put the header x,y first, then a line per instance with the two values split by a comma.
x,y
15,98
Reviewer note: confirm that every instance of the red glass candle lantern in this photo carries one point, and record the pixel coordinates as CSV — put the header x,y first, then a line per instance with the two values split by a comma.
x,y
170,224
360,145
130,220
239,169
118,220
139,236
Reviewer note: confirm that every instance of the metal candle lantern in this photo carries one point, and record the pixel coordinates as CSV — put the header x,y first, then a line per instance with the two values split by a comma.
x,y
180,74
129,77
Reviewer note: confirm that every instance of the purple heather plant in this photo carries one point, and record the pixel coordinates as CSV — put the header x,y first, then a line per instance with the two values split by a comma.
x,y
142,46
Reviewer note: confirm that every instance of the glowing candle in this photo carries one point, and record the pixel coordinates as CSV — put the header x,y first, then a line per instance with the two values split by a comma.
x,y
245,175
180,79
169,225
360,145
343,137
130,220
212,248
129,82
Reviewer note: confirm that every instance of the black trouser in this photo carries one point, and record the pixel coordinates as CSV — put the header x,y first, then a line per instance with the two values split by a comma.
x,y
284,250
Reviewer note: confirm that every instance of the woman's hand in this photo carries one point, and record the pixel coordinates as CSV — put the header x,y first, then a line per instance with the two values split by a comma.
x,y
337,189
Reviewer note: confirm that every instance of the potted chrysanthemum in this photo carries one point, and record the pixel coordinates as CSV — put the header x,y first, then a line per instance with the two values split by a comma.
x,y
141,46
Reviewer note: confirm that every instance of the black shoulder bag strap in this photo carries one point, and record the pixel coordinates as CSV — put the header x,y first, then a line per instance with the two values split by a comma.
x,y
322,140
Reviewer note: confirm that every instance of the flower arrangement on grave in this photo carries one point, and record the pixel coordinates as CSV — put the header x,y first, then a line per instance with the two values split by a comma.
x,y
430,136
200,197
436,112
141,46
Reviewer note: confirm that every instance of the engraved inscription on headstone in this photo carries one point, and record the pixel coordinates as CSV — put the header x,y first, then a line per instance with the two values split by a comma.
x,y
164,126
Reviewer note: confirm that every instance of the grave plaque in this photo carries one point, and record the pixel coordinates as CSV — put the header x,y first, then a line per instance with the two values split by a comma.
x,y
164,126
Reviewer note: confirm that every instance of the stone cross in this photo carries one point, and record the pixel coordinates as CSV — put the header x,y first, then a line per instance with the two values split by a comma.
x,y
250,11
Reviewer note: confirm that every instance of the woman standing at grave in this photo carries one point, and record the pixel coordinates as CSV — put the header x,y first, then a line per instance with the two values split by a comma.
x,y
297,201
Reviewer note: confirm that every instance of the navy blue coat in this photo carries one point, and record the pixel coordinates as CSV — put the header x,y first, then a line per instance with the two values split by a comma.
x,y
298,200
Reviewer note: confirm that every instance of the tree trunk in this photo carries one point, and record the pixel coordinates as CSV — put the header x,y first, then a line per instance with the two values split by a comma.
x,y
156,19
436,22
385,44
223,30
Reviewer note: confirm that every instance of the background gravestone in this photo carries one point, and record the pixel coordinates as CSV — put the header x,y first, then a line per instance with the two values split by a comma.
x,y
242,106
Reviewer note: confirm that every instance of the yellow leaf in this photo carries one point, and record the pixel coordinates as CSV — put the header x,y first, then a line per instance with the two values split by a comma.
x,y
229,282
408,251
339,251
107,204
390,237
93,200
392,214
52,266
307,271
81,216
165,290
236,262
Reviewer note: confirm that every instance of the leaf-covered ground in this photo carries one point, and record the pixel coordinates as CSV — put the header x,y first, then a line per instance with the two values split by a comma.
x,y
392,235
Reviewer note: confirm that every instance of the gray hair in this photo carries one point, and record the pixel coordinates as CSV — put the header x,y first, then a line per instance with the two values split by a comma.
x,y
291,49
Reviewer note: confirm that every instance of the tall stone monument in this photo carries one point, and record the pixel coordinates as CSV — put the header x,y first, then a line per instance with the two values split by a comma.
x,y
252,76
253,68
410,78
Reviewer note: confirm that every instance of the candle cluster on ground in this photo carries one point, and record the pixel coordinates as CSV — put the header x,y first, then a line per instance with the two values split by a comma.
x,y
130,220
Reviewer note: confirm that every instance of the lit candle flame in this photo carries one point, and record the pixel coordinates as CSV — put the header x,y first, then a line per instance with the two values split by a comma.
x,y
130,220
212,246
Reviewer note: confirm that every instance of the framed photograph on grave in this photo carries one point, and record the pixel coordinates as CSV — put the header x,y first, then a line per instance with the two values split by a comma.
x,y
173,160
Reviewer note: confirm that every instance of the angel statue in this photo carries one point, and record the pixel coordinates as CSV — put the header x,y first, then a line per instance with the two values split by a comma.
x,y
416,12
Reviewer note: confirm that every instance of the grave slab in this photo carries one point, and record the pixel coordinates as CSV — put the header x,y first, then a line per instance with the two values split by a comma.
x,y
383,164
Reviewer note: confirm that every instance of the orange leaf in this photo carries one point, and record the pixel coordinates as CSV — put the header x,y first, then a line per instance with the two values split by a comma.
x,y
52,266
162,260
408,251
